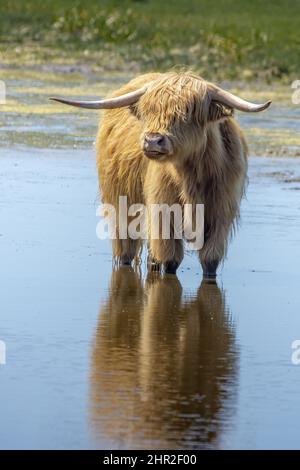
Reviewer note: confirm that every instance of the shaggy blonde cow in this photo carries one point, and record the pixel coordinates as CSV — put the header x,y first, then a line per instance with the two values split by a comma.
x,y
171,138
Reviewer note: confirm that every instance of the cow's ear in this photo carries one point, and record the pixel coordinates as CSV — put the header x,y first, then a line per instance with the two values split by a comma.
x,y
218,111
134,109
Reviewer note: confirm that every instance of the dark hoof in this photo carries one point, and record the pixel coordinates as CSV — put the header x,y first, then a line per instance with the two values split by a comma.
x,y
209,276
171,267
125,261
210,269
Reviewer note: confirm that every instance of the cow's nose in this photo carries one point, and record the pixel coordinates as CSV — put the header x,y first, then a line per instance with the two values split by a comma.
x,y
154,141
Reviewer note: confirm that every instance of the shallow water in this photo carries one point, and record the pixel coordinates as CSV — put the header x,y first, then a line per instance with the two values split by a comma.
x,y
98,357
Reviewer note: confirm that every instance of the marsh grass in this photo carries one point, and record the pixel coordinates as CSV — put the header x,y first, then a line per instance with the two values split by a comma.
x,y
225,39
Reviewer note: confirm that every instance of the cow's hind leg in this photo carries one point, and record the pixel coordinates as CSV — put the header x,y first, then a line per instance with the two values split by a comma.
x,y
125,251
166,253
153,265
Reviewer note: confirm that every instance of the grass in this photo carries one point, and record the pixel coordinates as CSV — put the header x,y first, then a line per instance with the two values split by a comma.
x,y
225,39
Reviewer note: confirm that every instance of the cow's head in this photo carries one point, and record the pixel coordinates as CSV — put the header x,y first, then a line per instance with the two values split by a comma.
x,y
174,110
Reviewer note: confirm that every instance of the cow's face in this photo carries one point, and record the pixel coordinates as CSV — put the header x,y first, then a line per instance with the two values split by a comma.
x,y
173,113
157,145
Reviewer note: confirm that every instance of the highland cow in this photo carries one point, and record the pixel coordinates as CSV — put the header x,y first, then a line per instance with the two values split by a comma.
x,y
171,138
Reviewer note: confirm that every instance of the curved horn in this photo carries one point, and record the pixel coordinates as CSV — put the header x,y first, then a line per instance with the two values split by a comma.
x,y
233,101
109,103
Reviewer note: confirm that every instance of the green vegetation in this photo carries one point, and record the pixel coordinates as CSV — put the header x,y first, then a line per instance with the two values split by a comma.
x,y
224,39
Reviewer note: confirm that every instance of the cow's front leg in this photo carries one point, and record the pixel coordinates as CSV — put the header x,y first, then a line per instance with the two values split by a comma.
x,y
164,216
209,268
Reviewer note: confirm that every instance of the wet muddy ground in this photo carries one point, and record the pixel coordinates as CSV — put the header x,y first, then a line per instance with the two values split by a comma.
x,y
98,357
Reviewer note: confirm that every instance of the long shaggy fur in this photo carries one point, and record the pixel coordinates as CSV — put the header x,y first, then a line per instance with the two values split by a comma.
x,y
208,165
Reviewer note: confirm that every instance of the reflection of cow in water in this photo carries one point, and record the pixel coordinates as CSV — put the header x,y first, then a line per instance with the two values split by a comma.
x,y
163,372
